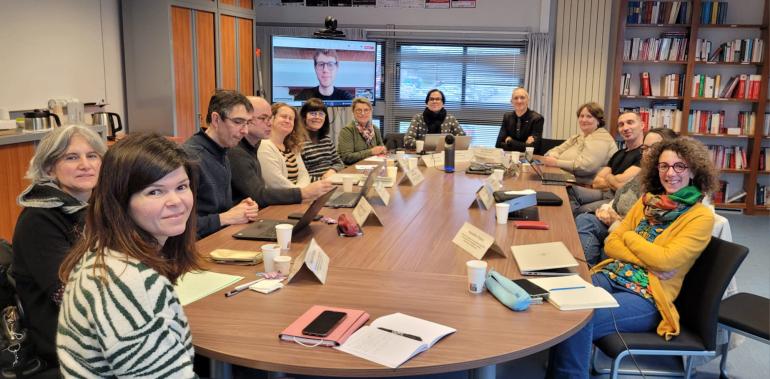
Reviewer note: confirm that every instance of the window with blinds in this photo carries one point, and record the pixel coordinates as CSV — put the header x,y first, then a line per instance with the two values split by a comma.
x,y
477,81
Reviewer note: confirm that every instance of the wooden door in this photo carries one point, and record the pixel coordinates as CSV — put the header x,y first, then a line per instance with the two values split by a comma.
x,y
181,28
15,158
237,54
228,52
246,56
206,61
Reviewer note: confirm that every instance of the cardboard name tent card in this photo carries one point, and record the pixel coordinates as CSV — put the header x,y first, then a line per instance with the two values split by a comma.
x,y
364,214
413,177
313,259
378,191
476,242
484,198
352,321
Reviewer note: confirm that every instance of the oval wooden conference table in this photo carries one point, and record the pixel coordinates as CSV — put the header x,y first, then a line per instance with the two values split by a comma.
x,y
408,265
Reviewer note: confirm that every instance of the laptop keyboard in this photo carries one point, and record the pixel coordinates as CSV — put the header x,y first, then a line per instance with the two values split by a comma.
x,y
554,176
343,199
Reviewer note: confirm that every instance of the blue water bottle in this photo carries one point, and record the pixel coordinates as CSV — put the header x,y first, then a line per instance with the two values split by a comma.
x,y
449,153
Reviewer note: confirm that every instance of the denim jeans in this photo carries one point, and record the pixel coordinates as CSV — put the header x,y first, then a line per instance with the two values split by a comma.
x,y
572,357
592,233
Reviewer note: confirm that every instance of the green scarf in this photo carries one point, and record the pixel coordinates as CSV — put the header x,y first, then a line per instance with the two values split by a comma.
x,y
663,209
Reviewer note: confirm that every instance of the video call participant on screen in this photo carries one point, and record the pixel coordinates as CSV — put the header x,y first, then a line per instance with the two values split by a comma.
x,y
326,65
360,139
247,172
434,119
228,114
521,128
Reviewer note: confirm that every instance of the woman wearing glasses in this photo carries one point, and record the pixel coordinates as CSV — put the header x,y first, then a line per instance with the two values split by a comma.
x,y
521,128
650,252
279,156
434,119
360,139
319,154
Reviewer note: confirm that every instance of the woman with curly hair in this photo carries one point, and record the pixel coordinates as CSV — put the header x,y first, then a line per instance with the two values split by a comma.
x,y
279,156
650,252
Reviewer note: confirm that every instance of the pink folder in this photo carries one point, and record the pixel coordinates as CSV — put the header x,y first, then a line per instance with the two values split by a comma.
x,y
354,320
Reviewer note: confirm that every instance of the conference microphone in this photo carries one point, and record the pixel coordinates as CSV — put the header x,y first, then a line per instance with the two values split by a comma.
x,y
449,153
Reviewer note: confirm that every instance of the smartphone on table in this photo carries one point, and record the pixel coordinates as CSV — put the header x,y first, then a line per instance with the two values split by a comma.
x,y
322,325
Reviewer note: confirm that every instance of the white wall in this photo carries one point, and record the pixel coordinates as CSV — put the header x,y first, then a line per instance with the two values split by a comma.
x,y
488,13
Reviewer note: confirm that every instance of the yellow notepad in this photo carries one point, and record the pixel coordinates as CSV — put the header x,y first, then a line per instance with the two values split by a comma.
x,y
197,285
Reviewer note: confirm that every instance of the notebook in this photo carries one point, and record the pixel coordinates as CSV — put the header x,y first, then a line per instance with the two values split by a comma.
x,y
544,259
393,339
343,199
264,230
562,177
352,321
571,292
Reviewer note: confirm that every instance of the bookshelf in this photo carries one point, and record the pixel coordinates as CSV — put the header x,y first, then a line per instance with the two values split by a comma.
x,y
688,52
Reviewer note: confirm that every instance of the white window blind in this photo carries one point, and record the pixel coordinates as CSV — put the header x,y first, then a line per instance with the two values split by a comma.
x,y
477,81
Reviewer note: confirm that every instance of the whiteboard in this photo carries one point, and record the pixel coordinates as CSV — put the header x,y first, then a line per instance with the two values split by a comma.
x,y
50,49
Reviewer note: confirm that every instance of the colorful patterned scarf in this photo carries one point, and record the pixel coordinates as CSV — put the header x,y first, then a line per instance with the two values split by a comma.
x,y
661,210
367,131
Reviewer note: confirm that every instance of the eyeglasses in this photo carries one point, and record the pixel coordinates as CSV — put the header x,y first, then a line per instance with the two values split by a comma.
x,y
325,65
238,121
435,99
362,110
316,114
679,167
264,118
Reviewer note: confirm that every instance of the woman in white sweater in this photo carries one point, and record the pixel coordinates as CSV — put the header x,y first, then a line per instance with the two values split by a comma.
x,y
279,156
120,315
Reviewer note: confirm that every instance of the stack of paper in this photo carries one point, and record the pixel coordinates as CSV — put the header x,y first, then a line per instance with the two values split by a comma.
x,y
571,292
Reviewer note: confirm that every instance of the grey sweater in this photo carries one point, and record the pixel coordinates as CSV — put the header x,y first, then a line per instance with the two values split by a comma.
x,y
214,192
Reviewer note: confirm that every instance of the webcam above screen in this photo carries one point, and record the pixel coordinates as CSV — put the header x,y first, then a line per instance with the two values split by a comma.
x,y
333,70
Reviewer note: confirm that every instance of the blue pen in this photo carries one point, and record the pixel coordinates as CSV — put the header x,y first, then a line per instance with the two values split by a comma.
x,y
567,288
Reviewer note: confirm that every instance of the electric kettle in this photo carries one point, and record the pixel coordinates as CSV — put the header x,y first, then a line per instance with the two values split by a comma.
x,y
106,119
39,119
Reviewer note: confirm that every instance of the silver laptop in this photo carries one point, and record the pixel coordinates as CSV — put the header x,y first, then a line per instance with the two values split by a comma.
x,y
544,259
343,199
432,141
461,143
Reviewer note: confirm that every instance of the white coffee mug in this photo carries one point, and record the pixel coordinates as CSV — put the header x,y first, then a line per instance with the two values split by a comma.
x,y
269,252
283,232
477,273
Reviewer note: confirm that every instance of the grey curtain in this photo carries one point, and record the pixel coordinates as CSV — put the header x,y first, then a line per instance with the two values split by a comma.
x,y
339,116
539,75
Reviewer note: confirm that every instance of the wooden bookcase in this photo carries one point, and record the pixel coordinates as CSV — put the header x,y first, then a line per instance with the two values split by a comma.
x,y
756,27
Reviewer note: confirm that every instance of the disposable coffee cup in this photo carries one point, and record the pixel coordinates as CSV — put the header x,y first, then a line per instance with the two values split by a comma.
x,y
269,252
501,211
412,163
477,273
347,183
515,156
283,232
530,151
282,264
499,174
419,145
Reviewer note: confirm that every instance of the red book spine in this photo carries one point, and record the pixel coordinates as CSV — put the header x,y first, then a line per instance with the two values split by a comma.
x,y
740,92
646,88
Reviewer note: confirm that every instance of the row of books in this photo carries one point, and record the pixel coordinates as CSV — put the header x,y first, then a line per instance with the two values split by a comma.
x,y
728,157
763,195
720,196
669,85
713,122
658,12
713,12
660,115
744,86
748,50
766,128
671,46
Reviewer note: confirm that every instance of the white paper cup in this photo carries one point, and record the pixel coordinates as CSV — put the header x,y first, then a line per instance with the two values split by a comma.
x,y
477,273
283,232
419,145
282,264
530,151
499,174
269,252
501,211
515,156
347,183
412,163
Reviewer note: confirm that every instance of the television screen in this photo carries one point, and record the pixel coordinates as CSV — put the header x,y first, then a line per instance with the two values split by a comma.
x,y
335,71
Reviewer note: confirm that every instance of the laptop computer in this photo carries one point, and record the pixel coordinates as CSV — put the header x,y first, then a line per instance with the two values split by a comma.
x,y
562,177
432,141
343,199
461,143
544,259
264,230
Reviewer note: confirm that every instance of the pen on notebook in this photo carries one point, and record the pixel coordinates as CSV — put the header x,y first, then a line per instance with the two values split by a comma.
x,y
567,288
242,287
407,335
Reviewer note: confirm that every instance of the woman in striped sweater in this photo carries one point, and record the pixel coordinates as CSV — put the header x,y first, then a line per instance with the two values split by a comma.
x,y
120,316
319,153
279,156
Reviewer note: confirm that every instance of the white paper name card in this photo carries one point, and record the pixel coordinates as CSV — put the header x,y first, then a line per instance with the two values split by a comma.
x,y
403,162
485,198
381,192
476,242
492,182
413,176
364,212
463,156
312,259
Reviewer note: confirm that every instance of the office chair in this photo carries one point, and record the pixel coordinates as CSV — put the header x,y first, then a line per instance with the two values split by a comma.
x,y
746,314
698,305
394,141
546,144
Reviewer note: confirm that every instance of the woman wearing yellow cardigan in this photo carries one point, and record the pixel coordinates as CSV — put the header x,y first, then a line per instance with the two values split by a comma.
x,y
649,253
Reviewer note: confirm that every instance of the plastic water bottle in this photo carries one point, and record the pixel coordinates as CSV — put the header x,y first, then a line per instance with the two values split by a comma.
x,y
449,153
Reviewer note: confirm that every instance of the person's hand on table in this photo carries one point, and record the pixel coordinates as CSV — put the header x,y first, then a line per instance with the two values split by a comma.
x,y
549,161
378,150
245,211
328,174
314,190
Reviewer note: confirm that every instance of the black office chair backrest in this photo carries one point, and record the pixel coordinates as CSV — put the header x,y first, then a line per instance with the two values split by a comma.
x,y
394,141
703,286
546,144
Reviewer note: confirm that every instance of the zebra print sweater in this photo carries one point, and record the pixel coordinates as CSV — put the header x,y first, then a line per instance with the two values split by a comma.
x,y
130,325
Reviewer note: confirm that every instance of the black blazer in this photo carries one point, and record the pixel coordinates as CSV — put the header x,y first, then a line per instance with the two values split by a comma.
x,y
531,124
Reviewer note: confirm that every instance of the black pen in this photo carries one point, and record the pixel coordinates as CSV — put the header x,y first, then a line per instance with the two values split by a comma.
x,y
242,287
407,335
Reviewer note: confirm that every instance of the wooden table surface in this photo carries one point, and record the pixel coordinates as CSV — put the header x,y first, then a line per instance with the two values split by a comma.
x,y
409,265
